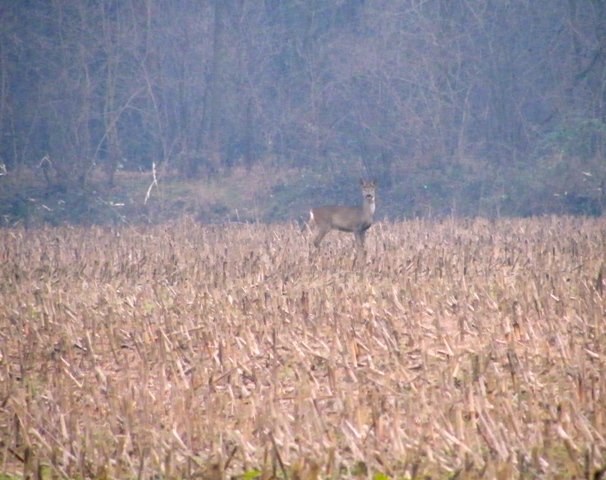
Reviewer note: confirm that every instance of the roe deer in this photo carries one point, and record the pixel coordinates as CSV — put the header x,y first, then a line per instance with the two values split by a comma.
x,y
346,219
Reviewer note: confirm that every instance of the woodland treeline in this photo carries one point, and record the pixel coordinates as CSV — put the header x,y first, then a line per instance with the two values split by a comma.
x,y
477,106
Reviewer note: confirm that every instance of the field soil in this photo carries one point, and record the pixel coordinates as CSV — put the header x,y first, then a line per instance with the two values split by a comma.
x,y
454,349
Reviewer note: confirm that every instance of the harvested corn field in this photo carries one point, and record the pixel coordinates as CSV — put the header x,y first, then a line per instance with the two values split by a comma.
x,y
461,349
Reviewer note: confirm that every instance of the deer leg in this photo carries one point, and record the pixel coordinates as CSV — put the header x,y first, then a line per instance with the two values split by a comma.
x,y
360,250
320,235
360,239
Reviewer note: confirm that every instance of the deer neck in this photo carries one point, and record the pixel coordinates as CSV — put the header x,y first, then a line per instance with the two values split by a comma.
x,y
369,207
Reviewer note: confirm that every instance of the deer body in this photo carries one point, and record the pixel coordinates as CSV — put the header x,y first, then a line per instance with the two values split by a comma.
x,y
346,219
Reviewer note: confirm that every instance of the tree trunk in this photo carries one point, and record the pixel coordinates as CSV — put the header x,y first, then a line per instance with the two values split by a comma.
x,y
212,106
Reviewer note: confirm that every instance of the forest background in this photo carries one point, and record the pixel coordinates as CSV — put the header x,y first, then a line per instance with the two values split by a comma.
x,y
139,110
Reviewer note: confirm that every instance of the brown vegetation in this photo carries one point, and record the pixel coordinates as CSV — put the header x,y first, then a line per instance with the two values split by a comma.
x,y
464,349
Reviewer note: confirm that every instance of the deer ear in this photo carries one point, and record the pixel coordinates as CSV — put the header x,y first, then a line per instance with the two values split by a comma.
x,y
361,182
374,182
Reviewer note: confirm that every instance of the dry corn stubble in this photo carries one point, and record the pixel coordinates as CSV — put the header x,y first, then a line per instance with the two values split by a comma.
x,y
464,347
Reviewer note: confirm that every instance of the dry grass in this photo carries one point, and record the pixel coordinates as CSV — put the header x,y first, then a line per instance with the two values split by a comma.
x,y
464,349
